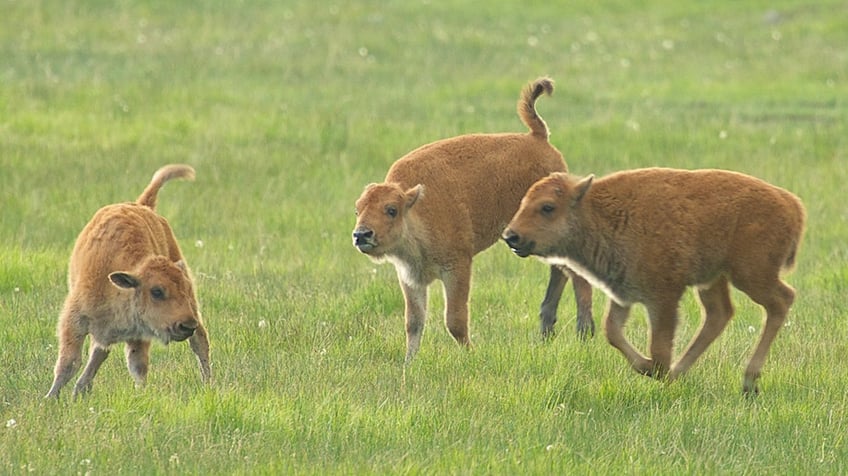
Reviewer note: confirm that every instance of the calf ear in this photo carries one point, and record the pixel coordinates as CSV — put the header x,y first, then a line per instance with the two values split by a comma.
x,y
124,280
581,188
413,194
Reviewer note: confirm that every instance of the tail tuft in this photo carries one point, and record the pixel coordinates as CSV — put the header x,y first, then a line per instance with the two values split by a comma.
x,y
168,172
527,106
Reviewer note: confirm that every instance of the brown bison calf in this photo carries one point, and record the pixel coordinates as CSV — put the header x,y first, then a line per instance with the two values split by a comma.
x,y
128,282
643,236
443,203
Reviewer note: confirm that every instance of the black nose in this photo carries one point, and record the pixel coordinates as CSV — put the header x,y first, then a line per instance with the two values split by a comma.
x,y
184,330
511,238
361,234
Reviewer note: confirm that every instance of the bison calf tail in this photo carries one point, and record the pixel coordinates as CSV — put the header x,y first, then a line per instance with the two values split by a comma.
x,y
527,106
168,172
801,219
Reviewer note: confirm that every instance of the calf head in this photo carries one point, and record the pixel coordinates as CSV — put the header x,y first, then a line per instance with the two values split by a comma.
x,y
546,215
380,214
162,296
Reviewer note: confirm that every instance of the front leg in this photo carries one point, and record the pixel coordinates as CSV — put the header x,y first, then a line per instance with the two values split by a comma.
x,y
583,297
614,326
96,357
71,333
138,360
457,285
415,298
663,318
199,343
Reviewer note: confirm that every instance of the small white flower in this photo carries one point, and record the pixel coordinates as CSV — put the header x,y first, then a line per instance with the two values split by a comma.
x,y
85,462
17,289
722,135
263,324
11,423
751,329
363,51
668,44
549,447
532,41
198,244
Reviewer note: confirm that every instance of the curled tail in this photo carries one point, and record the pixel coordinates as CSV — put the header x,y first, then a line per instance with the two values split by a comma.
x,y
527,106
168,172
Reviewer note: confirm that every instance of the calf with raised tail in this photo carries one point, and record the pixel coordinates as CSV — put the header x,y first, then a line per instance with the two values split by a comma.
x,y
445,202
644,236
128,282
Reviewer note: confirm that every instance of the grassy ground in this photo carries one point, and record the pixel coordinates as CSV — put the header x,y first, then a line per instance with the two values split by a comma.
x,y
286,110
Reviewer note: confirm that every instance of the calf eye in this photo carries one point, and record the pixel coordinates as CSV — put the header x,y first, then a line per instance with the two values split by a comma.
x,y
391,211
547,209
157,293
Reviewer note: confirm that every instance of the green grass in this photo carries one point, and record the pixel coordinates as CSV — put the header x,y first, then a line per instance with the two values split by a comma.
x,y
287,110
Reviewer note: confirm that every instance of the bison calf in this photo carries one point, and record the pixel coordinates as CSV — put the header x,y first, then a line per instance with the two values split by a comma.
x,y
128,282
643,236
444,202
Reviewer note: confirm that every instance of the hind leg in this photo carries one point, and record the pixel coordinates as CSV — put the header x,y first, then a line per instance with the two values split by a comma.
x,y
457,285
718,309
138,360
776,299
582,297
548,309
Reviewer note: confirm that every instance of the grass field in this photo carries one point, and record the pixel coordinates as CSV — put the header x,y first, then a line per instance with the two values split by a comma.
x,y
287,110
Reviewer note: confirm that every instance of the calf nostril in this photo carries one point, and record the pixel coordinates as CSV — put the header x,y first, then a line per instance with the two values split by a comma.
x,y
363,234
511,237
187,326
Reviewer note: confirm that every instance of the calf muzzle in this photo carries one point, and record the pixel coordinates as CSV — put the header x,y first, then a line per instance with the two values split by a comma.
x,y
516,244
363,239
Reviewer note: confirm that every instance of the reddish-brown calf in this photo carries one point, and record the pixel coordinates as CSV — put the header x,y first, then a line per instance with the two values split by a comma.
x,y
444,202
128,282
643,236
